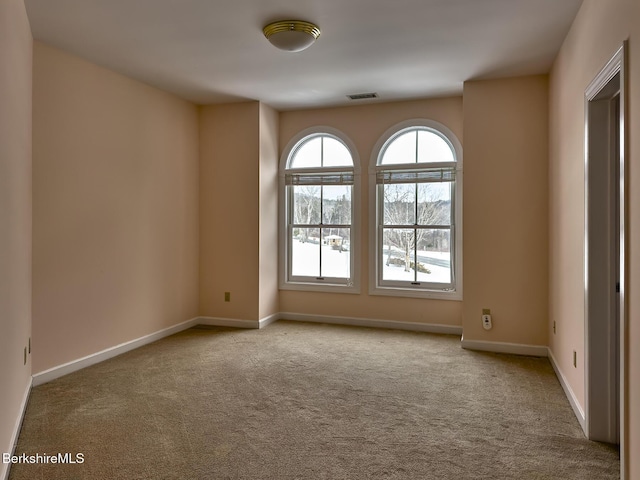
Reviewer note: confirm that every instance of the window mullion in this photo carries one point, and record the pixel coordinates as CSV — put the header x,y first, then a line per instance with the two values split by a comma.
x,y
436,227
415,218
415,230
290,206
323,225
321,214
320,276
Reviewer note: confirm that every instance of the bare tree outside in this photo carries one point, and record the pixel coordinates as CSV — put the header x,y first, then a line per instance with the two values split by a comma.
x,y
410,209
415,173
306,211
336,209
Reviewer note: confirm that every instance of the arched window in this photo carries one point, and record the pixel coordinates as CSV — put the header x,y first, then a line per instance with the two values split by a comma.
x,y
416,178
319,238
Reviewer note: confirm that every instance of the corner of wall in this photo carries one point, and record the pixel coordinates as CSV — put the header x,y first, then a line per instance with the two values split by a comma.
x,y
16,63
506,209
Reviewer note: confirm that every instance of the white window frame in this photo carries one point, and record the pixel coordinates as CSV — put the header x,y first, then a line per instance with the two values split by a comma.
x,y
405,289
286,280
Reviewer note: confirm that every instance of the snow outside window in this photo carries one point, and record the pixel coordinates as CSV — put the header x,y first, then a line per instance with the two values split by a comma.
x,y
415,183
318,184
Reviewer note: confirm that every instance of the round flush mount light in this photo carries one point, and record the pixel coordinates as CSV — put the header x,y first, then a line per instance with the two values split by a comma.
x,y
291,35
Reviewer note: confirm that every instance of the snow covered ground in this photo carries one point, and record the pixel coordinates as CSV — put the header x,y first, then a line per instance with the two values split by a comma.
x,y
434,261
306,260
336,263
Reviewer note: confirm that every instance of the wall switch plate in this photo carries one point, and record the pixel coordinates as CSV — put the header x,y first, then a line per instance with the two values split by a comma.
x,y
554,327
575,360
486,322
227,296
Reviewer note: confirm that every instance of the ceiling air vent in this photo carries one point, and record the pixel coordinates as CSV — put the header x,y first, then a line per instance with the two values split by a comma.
x,y
362,96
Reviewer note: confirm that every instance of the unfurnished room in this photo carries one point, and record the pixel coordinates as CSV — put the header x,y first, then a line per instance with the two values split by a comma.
x,y
268,239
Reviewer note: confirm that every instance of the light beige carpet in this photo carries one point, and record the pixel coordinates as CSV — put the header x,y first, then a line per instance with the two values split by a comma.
x,y
310,401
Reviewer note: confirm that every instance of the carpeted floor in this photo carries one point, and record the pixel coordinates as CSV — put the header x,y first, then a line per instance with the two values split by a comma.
x,y
310,401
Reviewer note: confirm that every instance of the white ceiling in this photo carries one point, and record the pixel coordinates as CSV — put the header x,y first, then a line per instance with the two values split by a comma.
x,y
213,51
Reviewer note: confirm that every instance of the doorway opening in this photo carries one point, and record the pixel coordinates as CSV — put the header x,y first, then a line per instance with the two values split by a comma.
x,y
605,325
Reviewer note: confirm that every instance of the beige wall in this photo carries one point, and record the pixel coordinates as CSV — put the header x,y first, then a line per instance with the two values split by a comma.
x,y
115,209
268,269
15,214
505,209
229,210
598,31
132,195
364,125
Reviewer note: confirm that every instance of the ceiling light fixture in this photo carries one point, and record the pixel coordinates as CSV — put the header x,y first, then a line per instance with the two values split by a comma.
x,y
291,35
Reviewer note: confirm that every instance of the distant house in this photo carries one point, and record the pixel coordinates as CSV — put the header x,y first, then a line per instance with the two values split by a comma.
x,y
335,241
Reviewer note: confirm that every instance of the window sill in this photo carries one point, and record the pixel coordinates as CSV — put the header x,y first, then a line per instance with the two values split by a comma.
x,y
416,293
316,287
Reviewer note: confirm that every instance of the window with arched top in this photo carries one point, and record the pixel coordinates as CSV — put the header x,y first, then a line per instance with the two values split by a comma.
x,y
416,177
319,180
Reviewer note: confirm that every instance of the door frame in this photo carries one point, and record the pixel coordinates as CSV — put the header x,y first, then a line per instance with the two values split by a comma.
x,y
602,365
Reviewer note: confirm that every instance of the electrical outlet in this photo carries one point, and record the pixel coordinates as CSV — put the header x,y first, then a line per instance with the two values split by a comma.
x,y
227,296
575,360
486,322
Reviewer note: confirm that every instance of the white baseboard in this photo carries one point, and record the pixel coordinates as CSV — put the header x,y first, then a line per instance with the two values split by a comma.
x,y
503,347
573,401
227,322
269,320
373,322
6,467
60,370
238,323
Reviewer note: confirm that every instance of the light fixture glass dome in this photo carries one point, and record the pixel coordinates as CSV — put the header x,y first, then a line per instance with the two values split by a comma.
x,y
291,35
